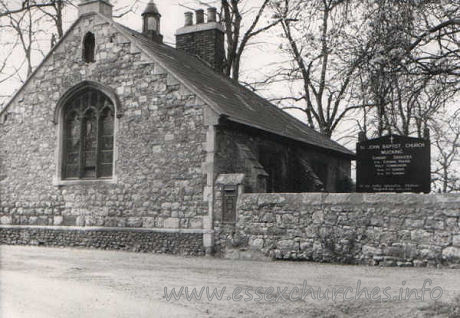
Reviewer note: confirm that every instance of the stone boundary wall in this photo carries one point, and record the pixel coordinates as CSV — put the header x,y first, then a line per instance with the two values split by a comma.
x,y
136,240
374,229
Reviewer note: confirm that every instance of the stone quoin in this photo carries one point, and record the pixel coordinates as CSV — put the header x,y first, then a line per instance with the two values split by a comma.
x,y
116,140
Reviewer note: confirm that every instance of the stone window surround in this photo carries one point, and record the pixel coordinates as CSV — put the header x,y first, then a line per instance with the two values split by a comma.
x,y
89,48
58,120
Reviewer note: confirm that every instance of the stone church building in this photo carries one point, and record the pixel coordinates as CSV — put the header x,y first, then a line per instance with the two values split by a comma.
x,y
118,140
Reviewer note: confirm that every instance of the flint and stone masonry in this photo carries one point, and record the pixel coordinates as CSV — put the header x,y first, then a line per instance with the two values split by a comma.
x,y
160,133
176,123
187,144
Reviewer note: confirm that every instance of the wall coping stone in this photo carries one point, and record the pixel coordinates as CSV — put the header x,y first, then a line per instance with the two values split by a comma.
x,y
321,198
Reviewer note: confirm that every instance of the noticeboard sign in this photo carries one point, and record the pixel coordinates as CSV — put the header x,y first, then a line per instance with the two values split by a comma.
x,y
393,164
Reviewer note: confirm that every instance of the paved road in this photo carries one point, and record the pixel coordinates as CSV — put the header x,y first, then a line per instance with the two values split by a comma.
x,y
38,282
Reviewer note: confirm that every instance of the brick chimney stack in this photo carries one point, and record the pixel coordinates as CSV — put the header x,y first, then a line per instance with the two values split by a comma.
x,y
103,7
203,39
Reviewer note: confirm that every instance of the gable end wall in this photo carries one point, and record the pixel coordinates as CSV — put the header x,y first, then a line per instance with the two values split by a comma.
x,y
160,140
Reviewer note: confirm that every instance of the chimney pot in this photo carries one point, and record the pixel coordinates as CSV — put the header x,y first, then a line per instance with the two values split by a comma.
x,y
212,15
199,16
205,40
188,18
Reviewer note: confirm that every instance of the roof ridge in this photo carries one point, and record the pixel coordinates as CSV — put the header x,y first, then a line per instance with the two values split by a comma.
x,y
237,83
243,92
217,90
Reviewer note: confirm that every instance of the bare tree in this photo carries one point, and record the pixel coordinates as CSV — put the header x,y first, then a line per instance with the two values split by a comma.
x,y
322,40
22,24
243,21
53,9
446,142
384,59
25,24
25,5
412,65
237,40
55,12
25,21
435,44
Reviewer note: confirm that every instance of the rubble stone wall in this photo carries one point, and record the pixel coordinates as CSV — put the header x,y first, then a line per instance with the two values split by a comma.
x,y
158,140
374,229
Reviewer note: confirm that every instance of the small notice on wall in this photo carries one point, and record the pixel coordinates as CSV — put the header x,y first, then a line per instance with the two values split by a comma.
x,y
393,164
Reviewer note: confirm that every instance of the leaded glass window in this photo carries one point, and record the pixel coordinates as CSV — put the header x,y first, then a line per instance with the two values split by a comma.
x,y
88,136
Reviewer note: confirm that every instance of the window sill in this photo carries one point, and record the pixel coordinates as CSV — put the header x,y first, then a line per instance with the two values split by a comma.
x,y
60,183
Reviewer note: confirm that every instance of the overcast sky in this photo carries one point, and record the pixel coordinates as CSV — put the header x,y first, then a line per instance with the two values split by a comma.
x,y
260,58
259,55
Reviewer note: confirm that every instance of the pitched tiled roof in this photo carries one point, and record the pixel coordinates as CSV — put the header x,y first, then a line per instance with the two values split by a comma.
x,y
225,96
231,99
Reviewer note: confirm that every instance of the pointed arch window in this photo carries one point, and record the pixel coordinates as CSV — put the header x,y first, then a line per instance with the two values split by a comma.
x,y
89,45
88,136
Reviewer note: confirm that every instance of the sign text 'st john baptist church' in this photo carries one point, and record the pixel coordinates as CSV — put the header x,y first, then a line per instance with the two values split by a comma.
x,y
116,130
393,164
